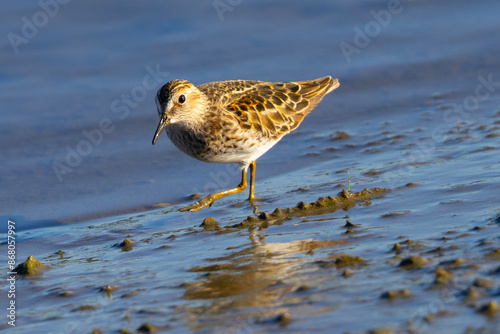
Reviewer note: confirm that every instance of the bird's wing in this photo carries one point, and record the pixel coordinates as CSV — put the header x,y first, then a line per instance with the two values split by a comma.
x,y
274,109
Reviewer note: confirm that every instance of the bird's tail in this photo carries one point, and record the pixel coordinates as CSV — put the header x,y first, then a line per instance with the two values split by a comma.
x,y
334,84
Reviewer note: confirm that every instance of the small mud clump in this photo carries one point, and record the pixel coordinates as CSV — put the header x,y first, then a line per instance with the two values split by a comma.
x,y
210,224
85,308
381,331
348,224
284,319
30,267
108,289
413,262
341,261
340,135
348,272
393,294
150,328
494,253
126,245
397,248
472,294
483,283
442,276
490,309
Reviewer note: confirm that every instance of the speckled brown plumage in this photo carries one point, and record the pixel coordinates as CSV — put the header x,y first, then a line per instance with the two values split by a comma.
x,y
235,121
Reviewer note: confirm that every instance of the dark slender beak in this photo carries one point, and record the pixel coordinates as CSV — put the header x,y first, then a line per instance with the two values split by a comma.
x,y
164,122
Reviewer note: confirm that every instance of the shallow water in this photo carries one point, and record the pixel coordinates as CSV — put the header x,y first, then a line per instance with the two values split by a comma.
x,y
421,118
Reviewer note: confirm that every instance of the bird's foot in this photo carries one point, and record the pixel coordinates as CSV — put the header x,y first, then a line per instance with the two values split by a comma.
x,y
197,206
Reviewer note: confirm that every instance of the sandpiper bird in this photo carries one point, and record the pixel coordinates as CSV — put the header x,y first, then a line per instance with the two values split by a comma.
x,y
234,121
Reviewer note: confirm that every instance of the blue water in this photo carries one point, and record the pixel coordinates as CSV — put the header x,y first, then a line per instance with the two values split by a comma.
x,y
77,87
89,59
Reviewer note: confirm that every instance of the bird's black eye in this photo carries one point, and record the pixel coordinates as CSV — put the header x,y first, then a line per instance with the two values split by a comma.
x,y
182,99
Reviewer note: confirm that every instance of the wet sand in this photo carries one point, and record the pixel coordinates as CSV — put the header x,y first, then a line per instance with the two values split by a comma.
x,y
413,247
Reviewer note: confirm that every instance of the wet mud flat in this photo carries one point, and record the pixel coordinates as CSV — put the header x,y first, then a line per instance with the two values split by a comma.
x,y
417,251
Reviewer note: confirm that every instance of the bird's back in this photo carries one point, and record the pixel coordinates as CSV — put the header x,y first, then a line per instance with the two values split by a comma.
x,y
270,109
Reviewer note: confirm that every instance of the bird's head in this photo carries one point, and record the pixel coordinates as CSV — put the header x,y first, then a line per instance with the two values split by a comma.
x,y
179,101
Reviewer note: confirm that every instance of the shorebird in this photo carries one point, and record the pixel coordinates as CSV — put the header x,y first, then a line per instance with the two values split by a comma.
x,y
234,121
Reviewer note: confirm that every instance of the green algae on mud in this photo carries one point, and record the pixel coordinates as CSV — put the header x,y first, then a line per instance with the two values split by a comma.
x,y
210,224
151,328
344,200
395,294
30,267
126,245
413,262
341,261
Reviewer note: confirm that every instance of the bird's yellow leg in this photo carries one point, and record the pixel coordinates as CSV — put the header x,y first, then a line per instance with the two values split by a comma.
x,y
251,196
207,201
